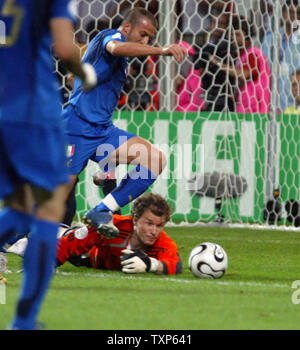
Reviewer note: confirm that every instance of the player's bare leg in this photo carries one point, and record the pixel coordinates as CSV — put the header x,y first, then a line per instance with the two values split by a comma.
x,y
138,151
50,207
70,185
149,161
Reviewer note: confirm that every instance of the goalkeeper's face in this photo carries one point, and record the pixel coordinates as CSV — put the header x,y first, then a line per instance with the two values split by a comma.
x,y
148,227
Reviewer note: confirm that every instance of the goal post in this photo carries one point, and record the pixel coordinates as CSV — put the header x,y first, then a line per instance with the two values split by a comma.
x,y
221,117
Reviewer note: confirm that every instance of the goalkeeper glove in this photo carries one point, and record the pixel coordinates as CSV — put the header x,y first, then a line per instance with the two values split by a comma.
x,y
137,262
90,79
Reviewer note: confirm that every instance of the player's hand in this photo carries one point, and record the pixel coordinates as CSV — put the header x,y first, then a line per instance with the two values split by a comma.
x,y
90,77
137,262
215,61
70,80
177,51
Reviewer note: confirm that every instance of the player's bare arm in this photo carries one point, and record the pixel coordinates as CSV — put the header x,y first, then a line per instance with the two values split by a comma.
x,y
132,49
241,73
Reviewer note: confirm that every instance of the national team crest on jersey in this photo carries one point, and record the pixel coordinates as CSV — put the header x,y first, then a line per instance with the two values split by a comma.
x,y
70,151
70,154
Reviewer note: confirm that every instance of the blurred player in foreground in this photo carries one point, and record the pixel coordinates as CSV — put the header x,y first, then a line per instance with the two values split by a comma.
x,y
33,172
142,245
88,116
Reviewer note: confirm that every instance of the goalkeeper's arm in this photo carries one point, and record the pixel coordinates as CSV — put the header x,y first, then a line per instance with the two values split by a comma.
x,y
139,262
62,34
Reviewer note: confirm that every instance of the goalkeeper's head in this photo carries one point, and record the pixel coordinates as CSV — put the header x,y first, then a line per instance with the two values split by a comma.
x,y
150,214
155,203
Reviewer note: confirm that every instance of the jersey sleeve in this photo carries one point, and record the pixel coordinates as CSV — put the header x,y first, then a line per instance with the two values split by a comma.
x,y
113,35
96,55
64,8
165,250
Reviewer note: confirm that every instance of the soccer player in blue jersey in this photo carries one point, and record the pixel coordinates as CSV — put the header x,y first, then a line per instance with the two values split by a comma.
x,y
33,171
88,116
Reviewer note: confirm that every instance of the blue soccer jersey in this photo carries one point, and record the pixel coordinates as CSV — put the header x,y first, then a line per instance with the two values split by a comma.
x,y
29,88
98,105
32,138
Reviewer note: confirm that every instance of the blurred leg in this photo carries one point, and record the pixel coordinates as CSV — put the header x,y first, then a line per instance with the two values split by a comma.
x,y
40,256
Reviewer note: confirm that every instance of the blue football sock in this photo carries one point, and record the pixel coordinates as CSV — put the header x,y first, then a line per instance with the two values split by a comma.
x,y
12,223
39,263
135,183
103,207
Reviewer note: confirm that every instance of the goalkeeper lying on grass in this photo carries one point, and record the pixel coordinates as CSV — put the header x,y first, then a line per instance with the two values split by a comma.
x,y
142,245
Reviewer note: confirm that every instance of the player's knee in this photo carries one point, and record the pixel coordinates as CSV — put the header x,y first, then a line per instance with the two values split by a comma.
x,y
162,160
20,200
51,210
158,161
50,205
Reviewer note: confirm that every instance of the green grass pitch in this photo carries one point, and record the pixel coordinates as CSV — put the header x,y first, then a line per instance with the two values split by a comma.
x,y
256,292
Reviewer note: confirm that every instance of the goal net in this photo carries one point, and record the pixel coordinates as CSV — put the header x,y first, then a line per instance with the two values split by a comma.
x,y
226,118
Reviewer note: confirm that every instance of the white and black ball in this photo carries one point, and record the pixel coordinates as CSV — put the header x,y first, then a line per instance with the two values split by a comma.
x,y
208,260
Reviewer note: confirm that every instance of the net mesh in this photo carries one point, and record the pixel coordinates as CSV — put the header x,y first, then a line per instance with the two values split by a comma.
x,y
226,118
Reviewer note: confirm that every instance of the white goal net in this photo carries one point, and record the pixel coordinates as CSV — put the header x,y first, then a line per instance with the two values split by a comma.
x,y
227,118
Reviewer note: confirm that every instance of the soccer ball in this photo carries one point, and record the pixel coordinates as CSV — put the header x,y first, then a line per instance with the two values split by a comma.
x,y
208,260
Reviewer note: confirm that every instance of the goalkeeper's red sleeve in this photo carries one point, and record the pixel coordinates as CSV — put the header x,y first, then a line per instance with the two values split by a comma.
x,y
165,250
78,241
